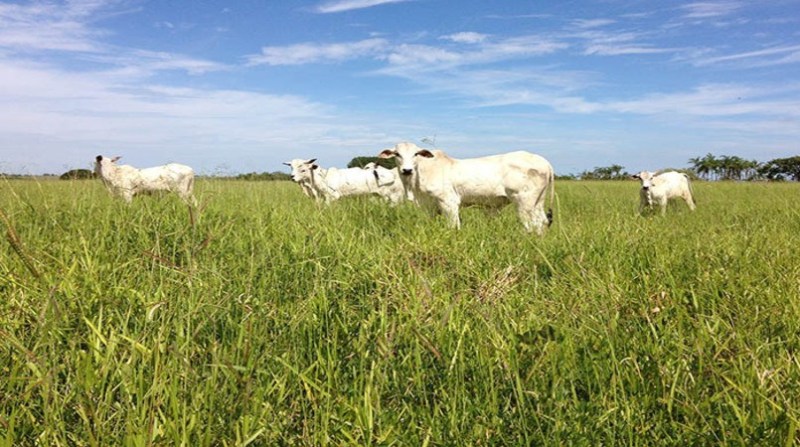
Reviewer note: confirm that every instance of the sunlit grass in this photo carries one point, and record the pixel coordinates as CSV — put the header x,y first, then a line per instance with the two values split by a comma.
x,y
272,321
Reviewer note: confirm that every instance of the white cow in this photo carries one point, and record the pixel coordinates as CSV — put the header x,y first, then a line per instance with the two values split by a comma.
x,y
333,184
390,186
126,181
297,165
657,189
519,177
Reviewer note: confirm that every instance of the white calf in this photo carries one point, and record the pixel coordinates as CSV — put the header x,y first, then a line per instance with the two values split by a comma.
x,y
126,181
519,177
658,189
333,184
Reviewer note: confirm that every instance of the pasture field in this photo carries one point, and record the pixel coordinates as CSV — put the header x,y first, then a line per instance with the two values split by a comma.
x,y
274,322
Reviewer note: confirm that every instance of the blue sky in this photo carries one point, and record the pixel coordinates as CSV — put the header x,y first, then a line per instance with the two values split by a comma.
x,y
240,86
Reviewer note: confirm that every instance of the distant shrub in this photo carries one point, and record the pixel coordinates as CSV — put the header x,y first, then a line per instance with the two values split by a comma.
x,y
360,162
77,174
263,176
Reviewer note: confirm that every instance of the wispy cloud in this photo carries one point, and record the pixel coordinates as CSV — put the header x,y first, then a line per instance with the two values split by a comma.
x,y
592,23
69,28
434,58
617,50
759,58
306,53
349,5
703,10
715,100
48,26
616,43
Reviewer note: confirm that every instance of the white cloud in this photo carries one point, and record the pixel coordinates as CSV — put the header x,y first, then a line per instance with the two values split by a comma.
x,y
523,46
422,56
306,53
417,56
466,37
69,117
349,5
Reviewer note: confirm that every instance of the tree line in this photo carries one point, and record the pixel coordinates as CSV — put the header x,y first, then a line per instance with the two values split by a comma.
x,y
708,167
713,167
86,174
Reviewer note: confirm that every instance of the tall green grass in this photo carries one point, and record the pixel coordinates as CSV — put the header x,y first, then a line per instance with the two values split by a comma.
x,y
272,321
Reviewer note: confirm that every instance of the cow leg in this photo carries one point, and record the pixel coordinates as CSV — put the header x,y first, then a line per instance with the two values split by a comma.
x,y
663,203
644,202
449,208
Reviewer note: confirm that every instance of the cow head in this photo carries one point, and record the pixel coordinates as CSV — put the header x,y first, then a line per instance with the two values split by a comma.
x,y
302,170
383,176
104,164
646,177
371,166
407,156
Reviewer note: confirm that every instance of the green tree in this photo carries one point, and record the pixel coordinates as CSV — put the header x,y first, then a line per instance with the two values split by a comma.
x,y
704,167
781,169
724,167
360,162
613,172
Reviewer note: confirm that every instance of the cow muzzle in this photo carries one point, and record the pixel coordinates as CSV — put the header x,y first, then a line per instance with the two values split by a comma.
x,y
407,171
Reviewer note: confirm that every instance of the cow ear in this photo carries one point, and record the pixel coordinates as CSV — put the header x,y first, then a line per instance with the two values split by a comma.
x,y
425,153
387,153
314,166
113,160
636,176
287,164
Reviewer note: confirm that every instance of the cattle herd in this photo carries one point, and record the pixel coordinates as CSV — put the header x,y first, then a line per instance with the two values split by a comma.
x,y
429,178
